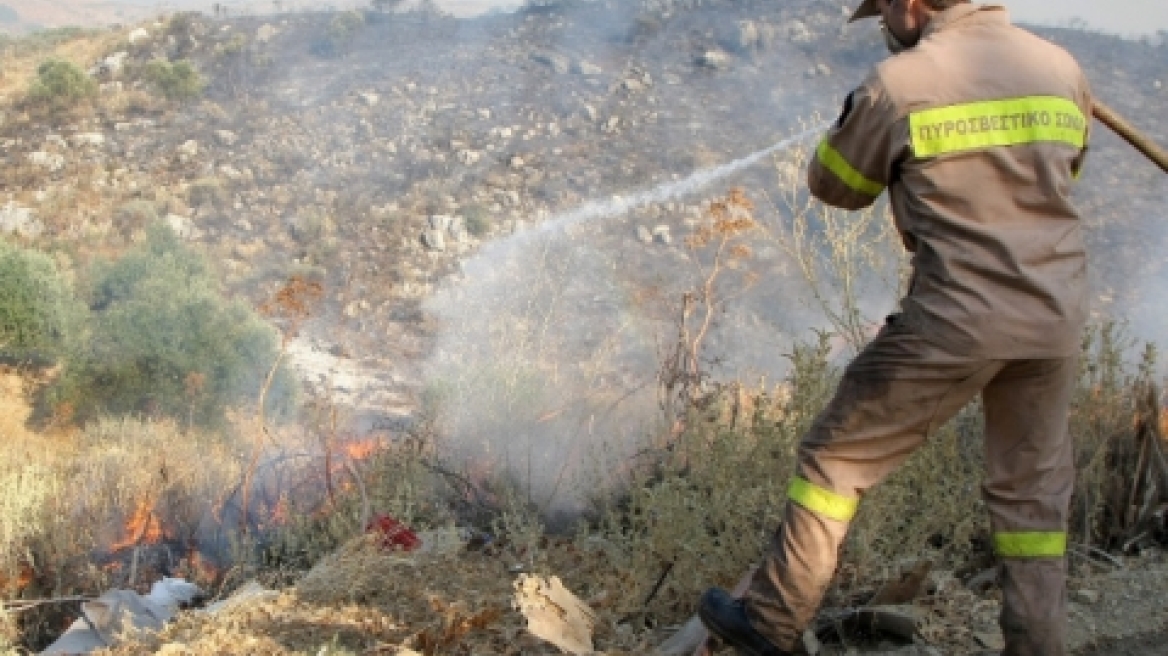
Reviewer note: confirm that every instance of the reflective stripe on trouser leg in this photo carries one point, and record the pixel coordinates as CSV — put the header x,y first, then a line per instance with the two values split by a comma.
x,y
890,397
1029,478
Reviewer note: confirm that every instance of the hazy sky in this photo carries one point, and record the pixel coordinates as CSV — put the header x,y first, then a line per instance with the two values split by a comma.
x,y
1118,16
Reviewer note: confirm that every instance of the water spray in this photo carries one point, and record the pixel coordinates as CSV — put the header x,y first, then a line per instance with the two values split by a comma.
x,y
619,205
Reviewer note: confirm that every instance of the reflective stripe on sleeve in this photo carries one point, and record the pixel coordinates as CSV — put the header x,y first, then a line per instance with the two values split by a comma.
x,y
990,123
833,161
1030,544
822,501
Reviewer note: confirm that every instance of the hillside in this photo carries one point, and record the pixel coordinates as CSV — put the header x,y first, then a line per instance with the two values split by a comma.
x,y
496,210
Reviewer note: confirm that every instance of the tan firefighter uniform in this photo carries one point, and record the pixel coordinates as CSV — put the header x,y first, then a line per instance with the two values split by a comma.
x,y
977,133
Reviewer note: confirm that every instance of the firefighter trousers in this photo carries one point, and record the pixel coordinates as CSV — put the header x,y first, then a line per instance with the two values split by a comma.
x,y
896,392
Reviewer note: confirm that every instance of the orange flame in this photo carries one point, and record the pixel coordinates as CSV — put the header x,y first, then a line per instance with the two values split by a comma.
x,y
362,449
143,527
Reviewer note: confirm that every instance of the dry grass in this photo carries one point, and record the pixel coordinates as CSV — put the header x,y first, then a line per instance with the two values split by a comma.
x,y
20,60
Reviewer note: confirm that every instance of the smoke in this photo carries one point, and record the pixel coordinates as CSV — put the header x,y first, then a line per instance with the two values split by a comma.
x,y
544,369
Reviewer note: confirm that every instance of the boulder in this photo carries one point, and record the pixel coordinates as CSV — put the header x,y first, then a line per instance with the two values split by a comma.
x,y
188,149
226,138
50,162
798,32
266,32
661,233
434,240
137,36
554,60
715,59
111,66
584,67
183,227
88,140
18,220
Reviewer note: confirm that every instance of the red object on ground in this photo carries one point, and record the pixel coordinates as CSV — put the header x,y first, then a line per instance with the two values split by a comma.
x,y
392,534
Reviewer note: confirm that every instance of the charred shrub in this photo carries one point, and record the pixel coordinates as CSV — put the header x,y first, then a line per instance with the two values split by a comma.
x,y
164,342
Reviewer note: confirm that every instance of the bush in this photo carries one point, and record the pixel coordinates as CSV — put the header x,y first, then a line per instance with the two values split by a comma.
x,y
37,310
206,191
339,34
134,215
60,84
164,342
176,81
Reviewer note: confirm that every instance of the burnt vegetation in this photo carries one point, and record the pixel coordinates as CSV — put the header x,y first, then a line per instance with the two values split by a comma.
x,y
189,210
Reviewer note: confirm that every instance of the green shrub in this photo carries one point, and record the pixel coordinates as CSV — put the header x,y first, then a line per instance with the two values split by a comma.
x,y
60,84
478,221
176,81
163,341
37,311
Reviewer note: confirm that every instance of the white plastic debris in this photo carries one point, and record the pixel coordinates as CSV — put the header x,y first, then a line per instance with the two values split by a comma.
x,y
120,611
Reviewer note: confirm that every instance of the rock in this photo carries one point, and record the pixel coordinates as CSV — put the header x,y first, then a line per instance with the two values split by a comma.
x,y
369,98
18,220
440,222
823,69
484,113
517,162
644,235
230,172
557,62
1089,597
138,36
111,66
88,140
798,32
434,240
1157,84
50,162
188,149
611,124
468,157
584,67
717,60
226,138
632,85
661,234
591,112
990,640
266,32
183,227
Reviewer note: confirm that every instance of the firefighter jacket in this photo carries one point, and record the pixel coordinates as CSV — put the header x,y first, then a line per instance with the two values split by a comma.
x,y
978,133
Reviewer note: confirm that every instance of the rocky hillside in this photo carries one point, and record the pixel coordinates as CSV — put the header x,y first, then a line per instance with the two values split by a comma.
x,y
378,151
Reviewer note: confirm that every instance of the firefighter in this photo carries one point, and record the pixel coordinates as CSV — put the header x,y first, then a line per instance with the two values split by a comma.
x,y
977,130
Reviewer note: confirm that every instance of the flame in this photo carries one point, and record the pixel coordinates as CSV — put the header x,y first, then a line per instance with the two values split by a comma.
x,y
143,527
362,449
279,513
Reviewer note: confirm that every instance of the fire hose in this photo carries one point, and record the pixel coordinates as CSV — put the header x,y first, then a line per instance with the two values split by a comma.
x,y
1130,134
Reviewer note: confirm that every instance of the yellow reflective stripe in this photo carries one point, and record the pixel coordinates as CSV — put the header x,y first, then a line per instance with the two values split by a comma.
x,y
833,161
1031,544
958,128
822,501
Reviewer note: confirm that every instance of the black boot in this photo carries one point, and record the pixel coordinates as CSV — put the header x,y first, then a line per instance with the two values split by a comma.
x,y
725,618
